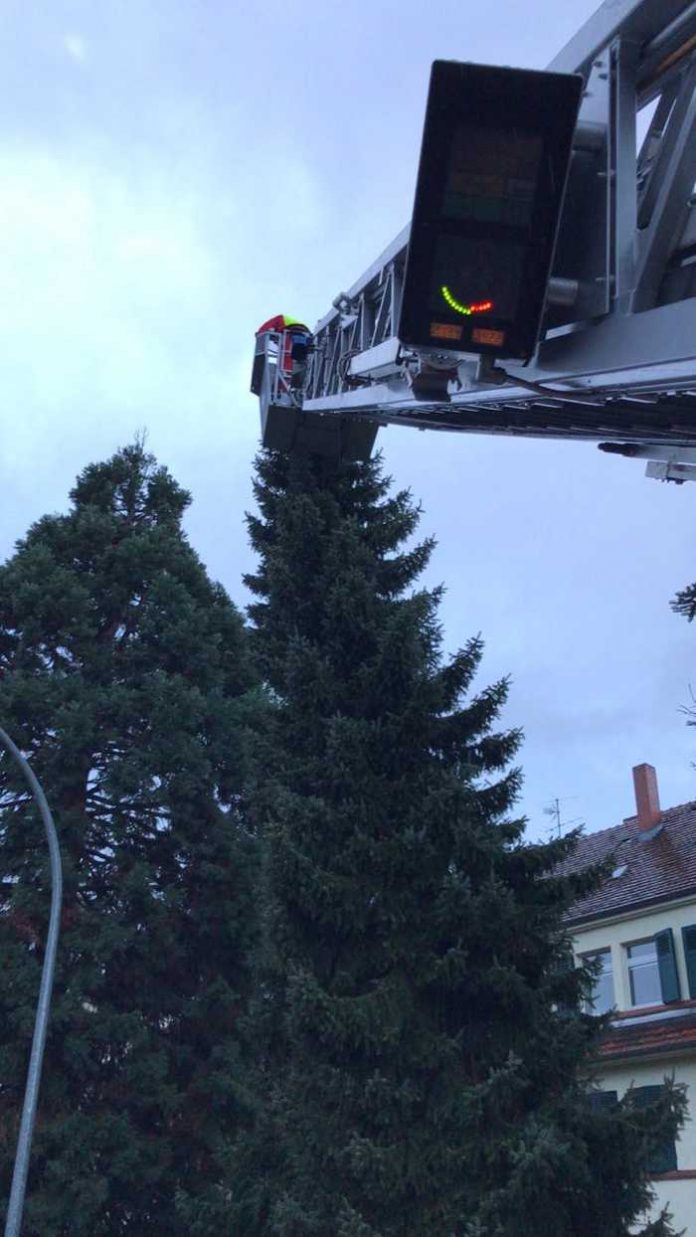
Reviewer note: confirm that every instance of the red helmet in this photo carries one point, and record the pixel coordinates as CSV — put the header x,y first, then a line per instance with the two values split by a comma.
x,y
282,322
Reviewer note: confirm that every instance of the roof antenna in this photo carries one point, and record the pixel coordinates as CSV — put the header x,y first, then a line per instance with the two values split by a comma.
x,y
554,810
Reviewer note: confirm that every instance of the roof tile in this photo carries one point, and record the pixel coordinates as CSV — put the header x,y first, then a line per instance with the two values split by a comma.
x,y
648,1039
660,865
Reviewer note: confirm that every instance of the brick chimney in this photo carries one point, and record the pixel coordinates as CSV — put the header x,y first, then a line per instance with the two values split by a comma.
x,y
648,812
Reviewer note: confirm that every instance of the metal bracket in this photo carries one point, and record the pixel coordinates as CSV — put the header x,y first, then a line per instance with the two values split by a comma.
x,y
679,473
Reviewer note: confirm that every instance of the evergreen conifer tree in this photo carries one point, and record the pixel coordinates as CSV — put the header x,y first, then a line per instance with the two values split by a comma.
x,y
124,678
427,1062
685,602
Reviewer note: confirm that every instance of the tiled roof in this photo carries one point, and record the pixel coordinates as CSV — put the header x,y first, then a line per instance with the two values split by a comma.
x,y
659,865
651,1036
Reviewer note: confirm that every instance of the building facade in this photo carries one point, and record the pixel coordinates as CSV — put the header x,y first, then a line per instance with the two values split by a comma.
x,y
641,925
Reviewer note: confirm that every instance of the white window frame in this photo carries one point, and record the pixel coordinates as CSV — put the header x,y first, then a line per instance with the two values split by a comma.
x,y
645,940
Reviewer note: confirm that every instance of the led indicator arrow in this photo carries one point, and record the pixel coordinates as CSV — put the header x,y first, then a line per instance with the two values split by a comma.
x,y
477,307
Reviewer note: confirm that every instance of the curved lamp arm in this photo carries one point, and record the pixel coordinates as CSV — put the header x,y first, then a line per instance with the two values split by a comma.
x,y
21,1168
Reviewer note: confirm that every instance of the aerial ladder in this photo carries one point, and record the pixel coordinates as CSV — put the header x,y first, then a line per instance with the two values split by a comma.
x,y
546,286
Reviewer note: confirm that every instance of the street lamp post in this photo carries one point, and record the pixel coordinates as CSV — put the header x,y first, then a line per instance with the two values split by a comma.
x,y
21,1168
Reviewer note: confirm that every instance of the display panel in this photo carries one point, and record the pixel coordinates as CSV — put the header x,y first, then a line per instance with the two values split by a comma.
x,y
492,176
472,278
494,162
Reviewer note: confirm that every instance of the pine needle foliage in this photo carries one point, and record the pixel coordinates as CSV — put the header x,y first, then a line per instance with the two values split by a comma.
x,y
425,1061
685,602
124,678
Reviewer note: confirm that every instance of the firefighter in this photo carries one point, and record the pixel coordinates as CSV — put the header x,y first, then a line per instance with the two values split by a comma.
x,y
294,340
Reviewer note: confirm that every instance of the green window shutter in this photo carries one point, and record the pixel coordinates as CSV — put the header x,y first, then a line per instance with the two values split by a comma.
x,y
689,940
667,965
601,1100
664,1158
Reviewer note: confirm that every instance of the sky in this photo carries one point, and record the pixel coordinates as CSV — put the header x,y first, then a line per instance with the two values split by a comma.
x,y
174,172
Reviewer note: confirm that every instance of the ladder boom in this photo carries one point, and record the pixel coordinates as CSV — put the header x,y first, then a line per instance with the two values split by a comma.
x,y
617,357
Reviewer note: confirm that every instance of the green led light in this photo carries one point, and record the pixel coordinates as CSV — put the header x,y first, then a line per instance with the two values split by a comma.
x,y
477,307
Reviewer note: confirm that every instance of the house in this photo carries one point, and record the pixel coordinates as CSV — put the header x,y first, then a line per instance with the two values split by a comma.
x,y
642,925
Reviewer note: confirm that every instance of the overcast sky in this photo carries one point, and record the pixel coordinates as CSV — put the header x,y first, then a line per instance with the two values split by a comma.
x,y
173,172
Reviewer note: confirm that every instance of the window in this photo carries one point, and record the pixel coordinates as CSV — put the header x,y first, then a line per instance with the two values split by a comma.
x,y
643,974
602,999
652,970
663,1157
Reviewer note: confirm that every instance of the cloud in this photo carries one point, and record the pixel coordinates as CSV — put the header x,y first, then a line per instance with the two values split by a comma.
x,y
100,278
132,279
77,47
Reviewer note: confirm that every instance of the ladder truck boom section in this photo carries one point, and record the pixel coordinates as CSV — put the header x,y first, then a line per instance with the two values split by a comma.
x,y
546,285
